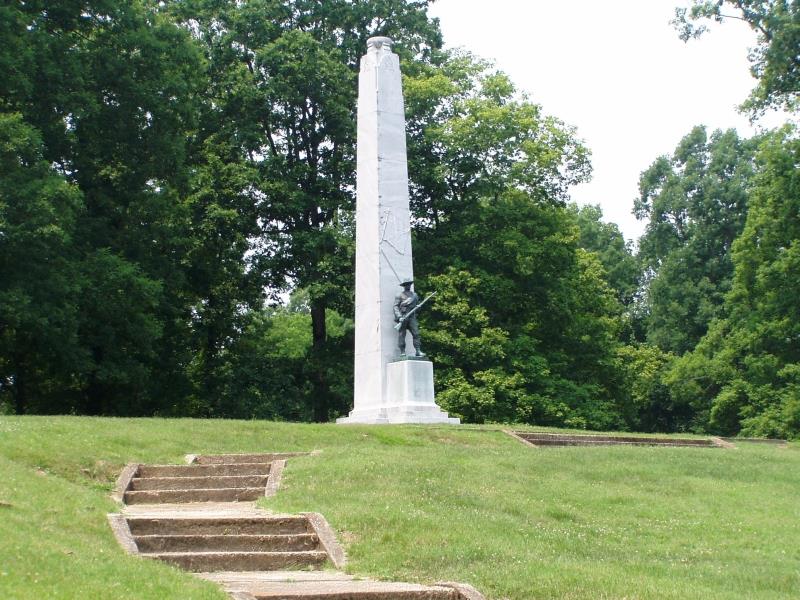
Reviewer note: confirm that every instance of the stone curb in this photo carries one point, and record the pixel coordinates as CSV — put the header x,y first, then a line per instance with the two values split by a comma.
x,y
723,443
465,591
274,478
767,441
518,438
119,526
327,539
124,481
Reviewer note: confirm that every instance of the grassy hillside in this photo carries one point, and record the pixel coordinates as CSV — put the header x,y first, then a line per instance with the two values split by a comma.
x,y
421,504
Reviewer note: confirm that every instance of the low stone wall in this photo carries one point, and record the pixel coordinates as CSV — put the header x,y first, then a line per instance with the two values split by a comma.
x,y
577,439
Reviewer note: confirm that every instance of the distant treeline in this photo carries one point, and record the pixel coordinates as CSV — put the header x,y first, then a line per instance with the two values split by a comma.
x,y
170,170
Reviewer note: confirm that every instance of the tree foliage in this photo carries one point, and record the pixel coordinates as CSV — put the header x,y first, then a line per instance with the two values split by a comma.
x,y
615,254
695,202
743,374
525,325
38,288
774,61
169,171
108,90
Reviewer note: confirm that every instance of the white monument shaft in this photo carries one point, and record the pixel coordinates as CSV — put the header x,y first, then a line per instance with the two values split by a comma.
x,y
386,390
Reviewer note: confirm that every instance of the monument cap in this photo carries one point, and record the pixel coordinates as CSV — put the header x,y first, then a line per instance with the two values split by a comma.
x,y
378,42
407,281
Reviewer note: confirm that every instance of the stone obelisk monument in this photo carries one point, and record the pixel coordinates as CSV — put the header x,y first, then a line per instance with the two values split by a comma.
x,y
388,388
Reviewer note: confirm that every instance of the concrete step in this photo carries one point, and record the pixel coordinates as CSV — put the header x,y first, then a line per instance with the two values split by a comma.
x,y
218,459
330,585
227,543
203,470
193,495
286,525
351,590
242,561
242,579
194,483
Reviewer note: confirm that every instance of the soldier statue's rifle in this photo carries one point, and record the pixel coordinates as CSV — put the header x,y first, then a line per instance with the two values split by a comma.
x,y
402,319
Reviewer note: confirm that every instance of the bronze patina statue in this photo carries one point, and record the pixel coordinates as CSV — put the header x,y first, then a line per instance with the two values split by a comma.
x,y
406,306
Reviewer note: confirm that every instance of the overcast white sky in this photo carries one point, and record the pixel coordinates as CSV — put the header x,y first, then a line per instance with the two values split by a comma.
x,y
617,71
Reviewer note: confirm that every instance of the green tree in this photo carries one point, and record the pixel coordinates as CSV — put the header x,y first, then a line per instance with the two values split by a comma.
x,y
110,87
695,203
120,328
774,61
525,328
472,136
127,146
39,291
473,371
273,374
745,371
615,254
647,392
225,270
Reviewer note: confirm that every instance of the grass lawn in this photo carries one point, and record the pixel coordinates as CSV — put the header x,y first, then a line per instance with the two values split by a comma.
x,y
421,504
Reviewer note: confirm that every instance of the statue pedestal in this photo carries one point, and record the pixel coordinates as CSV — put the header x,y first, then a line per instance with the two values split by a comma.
x,y
409,397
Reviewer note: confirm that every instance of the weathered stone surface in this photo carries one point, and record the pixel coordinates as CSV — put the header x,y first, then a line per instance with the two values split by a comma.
x,y
219,525
242,561
274,479
465,591
212,478
326,584
198,483
243,578
217,459
203,470
119,526
124,481
227,543
352,590
768,441
193,495
308,585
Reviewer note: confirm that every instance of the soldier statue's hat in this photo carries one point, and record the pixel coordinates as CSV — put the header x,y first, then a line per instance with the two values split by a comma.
x,y
407,281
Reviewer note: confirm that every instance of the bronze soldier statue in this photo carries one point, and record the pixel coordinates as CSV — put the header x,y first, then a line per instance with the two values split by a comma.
x,y
405,315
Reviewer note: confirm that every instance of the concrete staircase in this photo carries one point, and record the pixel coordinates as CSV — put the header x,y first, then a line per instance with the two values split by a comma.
x,y
216,478
229,544
202,517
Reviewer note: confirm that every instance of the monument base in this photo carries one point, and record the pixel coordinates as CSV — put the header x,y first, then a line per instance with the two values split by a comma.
x,y
409,398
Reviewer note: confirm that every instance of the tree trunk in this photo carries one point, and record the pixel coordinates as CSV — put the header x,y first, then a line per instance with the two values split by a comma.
x,y
320,401
95,392
19,391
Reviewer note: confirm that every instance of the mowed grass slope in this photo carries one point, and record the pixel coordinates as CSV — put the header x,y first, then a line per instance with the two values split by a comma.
x,y
421,504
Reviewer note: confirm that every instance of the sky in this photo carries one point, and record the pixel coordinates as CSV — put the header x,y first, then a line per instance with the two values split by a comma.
x,y
615,70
